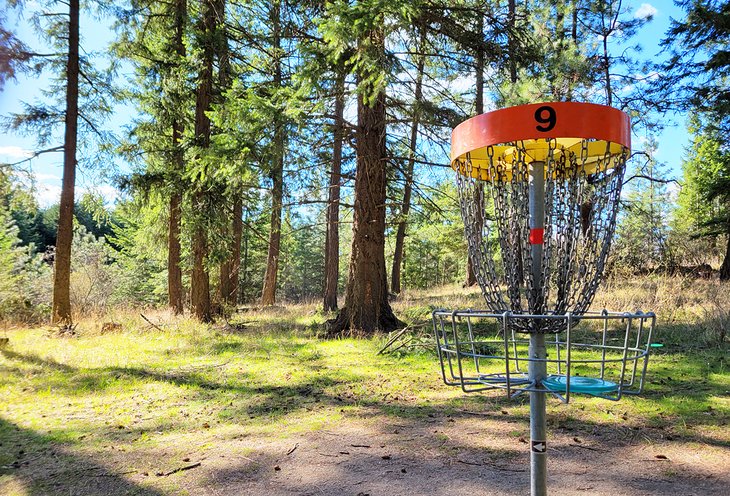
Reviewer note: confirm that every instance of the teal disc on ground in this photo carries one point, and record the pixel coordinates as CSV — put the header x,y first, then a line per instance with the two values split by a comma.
x,y
585,385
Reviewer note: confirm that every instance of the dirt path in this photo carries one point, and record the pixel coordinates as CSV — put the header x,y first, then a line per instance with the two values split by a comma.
x,y
377,455
467,455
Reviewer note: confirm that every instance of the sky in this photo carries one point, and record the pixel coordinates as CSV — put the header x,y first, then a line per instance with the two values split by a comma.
x,y
47,169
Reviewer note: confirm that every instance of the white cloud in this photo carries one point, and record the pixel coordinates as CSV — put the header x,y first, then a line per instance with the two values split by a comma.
x,y
47,189
645,11
649,76
108,192
47,194
46,177
673,190
15,152
463,83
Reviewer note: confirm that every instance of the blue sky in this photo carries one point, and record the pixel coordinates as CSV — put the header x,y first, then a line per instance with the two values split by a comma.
x,y
47,169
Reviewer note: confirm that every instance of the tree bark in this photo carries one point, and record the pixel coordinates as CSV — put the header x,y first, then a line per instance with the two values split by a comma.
x,y
228,288
395,282
224,272
236,257
268,294
200,279
471,278
725,267
511,45
174,271
332,238
62,263
367,309
229,267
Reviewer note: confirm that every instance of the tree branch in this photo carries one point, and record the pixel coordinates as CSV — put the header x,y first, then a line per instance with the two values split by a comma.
x,y
652,179
35,154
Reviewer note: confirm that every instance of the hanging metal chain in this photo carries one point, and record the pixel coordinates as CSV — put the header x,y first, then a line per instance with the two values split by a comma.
x,y
581,204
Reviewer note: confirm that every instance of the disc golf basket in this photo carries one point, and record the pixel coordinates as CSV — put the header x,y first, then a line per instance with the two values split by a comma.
x,y
539,188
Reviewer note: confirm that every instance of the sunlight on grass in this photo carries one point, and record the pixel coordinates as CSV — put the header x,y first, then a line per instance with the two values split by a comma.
x,y
121,400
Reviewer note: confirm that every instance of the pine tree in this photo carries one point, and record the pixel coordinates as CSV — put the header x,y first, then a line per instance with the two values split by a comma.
x,y
366,308
643,226
13,53
268,293
696,78
410,164
704,202
152,37
84,104
332,237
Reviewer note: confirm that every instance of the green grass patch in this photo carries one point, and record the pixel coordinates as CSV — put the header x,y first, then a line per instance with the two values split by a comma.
x,y
144,392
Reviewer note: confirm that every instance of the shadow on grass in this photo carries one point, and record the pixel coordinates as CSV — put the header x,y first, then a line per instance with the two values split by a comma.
x,y
30,461
677,391
442,455
673,388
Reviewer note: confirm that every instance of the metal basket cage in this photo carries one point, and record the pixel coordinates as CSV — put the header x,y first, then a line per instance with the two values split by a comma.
x,y
603,354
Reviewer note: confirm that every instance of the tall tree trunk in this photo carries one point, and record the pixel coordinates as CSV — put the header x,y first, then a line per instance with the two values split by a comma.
x,y
367,309
64,237
244,260
228,288
574,39
607,71
395,282
606,56
174,271
200,279
268,294
511,44
332,238
471,278
725,267
229,267
574,24
236,255
224,273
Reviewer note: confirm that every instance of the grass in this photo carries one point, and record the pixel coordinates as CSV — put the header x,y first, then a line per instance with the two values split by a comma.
x,y
137,401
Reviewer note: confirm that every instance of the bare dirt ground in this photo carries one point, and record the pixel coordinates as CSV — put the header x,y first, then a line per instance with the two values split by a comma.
x,y
462,454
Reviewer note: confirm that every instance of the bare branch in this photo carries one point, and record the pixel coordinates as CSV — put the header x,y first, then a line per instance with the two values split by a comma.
x,y
35,154
652,179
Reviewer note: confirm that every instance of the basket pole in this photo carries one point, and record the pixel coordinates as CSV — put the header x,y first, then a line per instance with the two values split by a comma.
x,y
537,366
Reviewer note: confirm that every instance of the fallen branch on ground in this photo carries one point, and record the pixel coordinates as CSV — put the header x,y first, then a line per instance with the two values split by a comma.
x,y
151,323
179,469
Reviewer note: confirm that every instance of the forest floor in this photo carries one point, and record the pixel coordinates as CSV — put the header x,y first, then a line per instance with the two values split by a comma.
x,y
262,404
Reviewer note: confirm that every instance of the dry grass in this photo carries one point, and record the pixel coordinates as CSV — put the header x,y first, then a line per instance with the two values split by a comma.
x,y
140,398
691,312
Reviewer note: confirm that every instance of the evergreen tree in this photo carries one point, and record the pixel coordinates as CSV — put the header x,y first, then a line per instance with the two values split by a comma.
x,y
405,206
696,78
696,75
153,37
704,202
363,27
643,226
13,53
276,169
84,103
